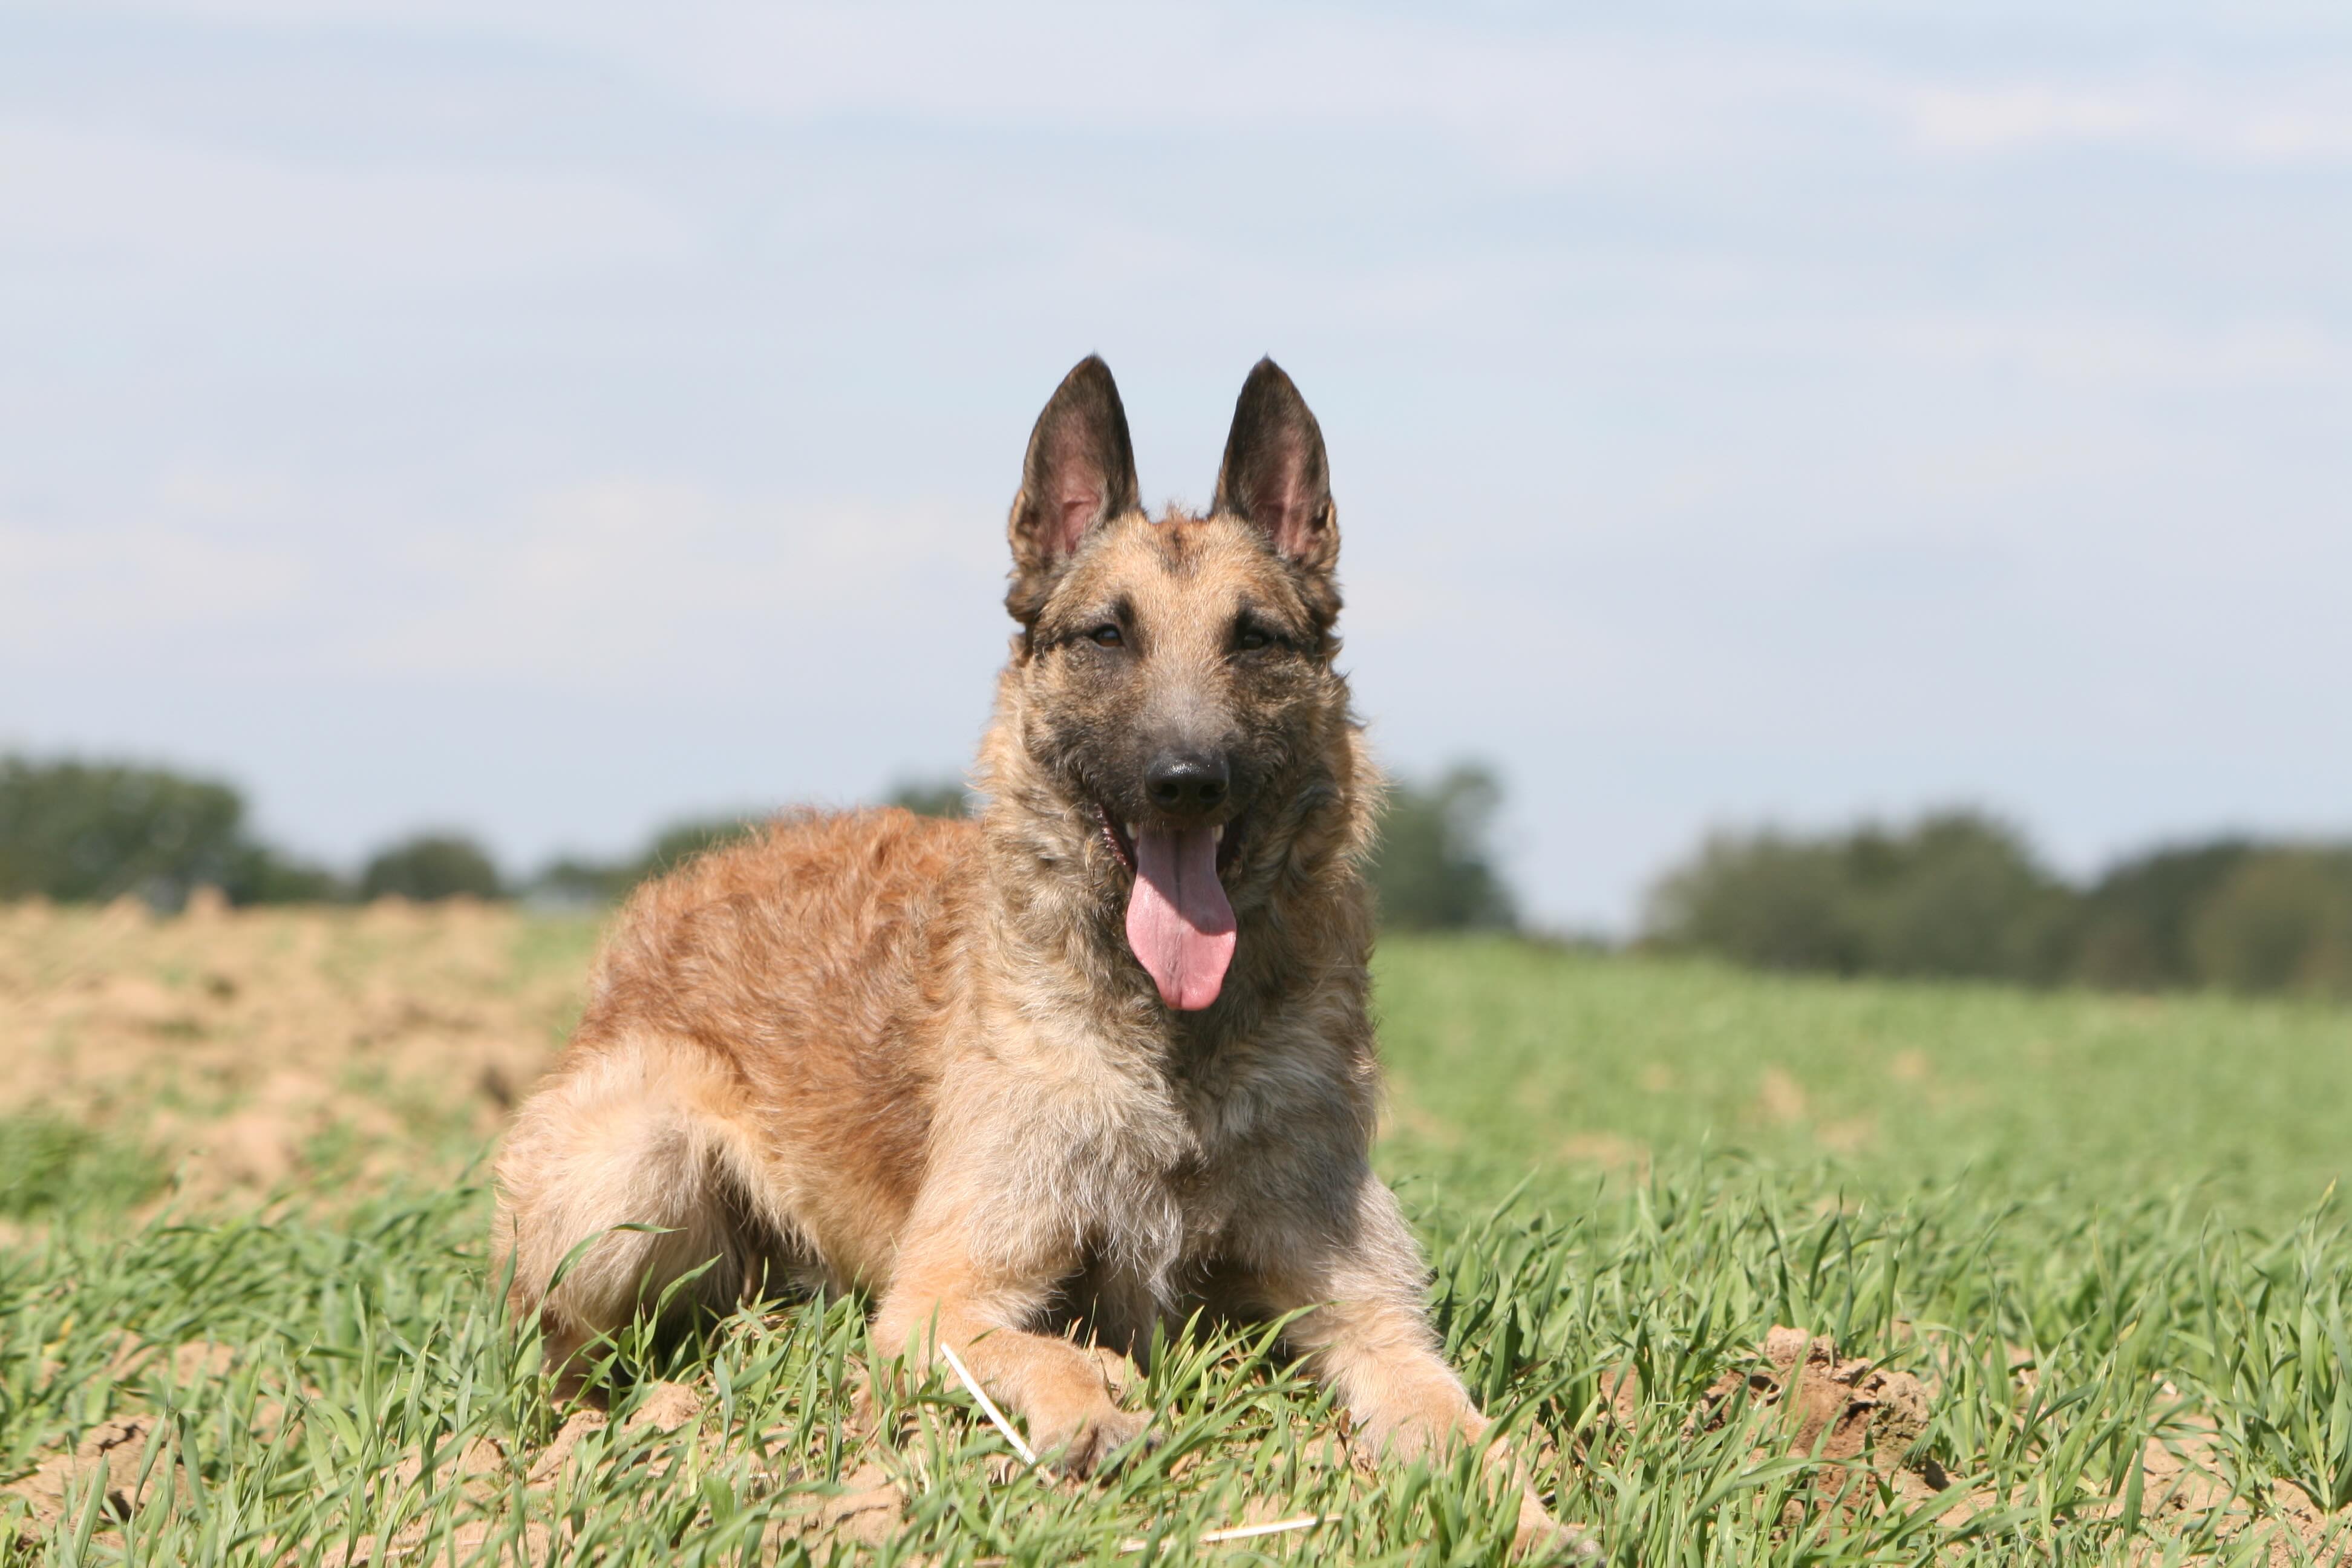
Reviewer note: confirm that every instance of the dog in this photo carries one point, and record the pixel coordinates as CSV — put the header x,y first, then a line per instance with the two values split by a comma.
x,y
1096,1061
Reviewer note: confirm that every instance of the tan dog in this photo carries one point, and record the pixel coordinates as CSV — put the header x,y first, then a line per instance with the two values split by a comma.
x,y
1097,1059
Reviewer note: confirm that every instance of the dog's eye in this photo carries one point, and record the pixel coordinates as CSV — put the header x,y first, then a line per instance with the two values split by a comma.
x,y
1249,640
1105,635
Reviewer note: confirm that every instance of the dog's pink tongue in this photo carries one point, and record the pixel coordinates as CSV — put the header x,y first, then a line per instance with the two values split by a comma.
x,y
1177,920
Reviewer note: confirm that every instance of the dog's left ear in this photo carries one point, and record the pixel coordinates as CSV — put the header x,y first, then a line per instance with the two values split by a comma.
x,y
1276,475
1079,473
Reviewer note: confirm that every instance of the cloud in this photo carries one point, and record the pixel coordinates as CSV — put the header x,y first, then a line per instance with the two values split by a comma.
x,y
612,578
2141,354
100,594
1534,97
626,579
2244,115
78,196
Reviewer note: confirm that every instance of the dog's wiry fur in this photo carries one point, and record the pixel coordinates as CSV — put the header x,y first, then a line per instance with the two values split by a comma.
x,y
917,1057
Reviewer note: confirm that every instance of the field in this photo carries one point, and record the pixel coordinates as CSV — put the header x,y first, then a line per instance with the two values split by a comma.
x,y
2057,1278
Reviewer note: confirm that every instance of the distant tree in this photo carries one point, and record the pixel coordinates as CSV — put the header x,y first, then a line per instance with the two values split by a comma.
x,y
261,874
78,831
2136,919
1766,899
2283,922
1433,868
94,831
574,880
932,797
430,867
1955,894
1960,894
578,880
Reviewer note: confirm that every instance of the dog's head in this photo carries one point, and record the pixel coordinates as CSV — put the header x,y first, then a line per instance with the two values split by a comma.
x,y
1175,676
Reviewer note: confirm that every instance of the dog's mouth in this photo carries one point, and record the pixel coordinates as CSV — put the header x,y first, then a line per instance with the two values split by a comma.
x,y
1180,924
1121,836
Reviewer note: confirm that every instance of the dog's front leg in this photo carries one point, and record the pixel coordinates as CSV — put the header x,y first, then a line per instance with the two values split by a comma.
x,y
942,1292
1365,1333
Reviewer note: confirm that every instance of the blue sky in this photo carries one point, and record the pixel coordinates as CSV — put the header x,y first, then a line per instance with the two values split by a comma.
x,y
555,419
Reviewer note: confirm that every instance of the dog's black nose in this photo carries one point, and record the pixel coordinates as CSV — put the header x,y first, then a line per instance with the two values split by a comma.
x,y
1187,784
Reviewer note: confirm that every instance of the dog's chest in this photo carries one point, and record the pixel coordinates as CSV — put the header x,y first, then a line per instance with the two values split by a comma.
x,y
1167,1161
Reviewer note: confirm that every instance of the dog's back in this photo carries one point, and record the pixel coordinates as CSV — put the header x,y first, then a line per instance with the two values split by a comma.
x,y
796,950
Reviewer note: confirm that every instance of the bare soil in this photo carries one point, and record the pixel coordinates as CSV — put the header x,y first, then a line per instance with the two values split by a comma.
x,y
247,1052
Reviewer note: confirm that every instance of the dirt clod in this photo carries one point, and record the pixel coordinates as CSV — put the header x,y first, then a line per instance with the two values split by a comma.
x,y
576,1428
1854,1416
866,1509
1845,1408
667,1408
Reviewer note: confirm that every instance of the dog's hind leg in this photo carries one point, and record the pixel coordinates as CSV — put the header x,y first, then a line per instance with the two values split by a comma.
x,y
637,1135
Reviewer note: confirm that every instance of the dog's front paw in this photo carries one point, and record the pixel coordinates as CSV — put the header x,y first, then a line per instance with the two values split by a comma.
x,y
1098,1440
1540,1537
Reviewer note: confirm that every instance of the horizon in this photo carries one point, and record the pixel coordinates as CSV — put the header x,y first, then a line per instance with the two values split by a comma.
x,y
552,422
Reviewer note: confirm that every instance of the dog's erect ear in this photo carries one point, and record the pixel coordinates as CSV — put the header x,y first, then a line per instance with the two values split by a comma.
x,y
1080,471
1276,475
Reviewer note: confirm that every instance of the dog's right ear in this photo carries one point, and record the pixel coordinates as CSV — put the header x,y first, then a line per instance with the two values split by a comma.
x,y
1079,473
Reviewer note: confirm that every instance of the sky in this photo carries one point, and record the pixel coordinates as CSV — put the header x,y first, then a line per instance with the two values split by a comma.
x,y
555,420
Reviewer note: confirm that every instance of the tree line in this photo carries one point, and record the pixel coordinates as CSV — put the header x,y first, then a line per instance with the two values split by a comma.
x,y
1960,894
91,832
1954,894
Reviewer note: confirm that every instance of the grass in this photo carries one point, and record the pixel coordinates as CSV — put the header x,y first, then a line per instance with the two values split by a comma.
x,y
2099,1230
50,1163
1506,1057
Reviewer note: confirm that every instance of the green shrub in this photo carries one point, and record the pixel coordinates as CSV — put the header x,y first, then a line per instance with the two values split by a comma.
x,y
1766,899
91,832
261,874
430,867
2134,933
1961,895
1955,894
94,831
2281,923
1433,868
